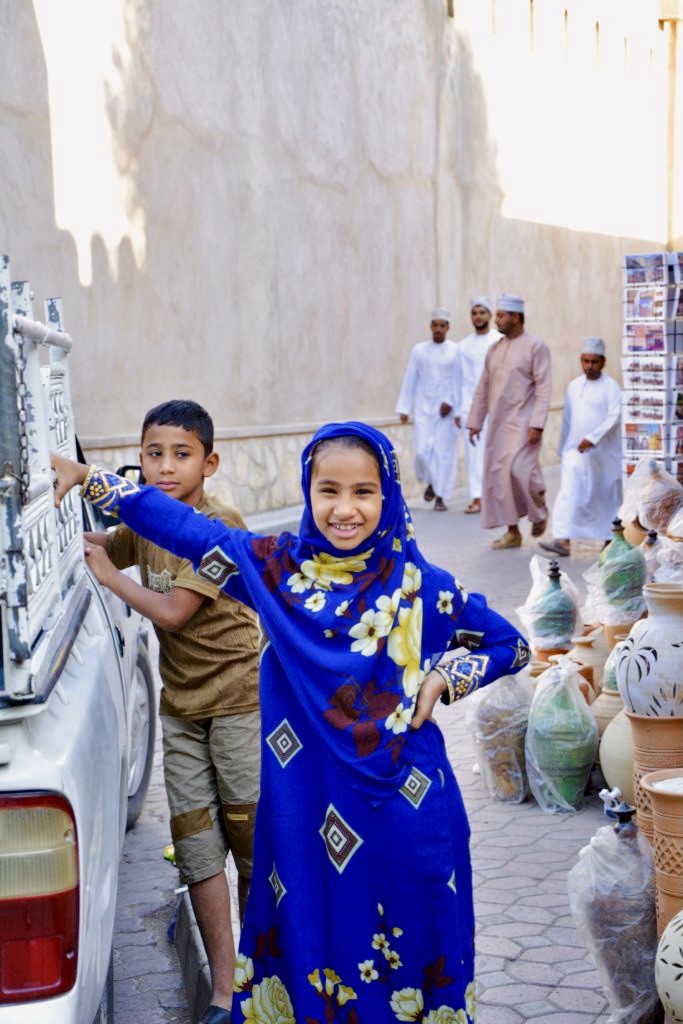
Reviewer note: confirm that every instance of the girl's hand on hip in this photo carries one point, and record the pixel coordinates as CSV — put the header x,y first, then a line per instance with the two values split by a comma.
x,y
433,686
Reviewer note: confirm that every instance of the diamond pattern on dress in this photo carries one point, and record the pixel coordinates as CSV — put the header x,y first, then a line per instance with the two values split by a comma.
x,y
278,887
216,567
284,742
414,789
340,839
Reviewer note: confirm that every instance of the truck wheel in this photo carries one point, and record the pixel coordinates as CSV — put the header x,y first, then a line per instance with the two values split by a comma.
x,y
105,1011
142,736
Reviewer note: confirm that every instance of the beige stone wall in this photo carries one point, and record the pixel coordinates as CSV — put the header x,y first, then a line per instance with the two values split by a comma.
x,y
256,204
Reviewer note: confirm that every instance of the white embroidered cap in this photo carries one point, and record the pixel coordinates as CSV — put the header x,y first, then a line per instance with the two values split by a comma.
x,y
593,347
481,300
441,314
510,303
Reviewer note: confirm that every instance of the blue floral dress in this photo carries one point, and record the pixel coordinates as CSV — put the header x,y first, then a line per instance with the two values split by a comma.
x,y
360,909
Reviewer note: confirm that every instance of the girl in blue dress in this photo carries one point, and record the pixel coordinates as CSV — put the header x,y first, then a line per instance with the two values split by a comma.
x,y
360,909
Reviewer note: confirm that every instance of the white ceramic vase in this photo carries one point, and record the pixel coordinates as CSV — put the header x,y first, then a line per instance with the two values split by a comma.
x,y
650,661
669,969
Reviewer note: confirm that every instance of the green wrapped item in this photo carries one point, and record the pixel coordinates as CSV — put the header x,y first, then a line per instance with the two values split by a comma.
x,y
561,740
555,619
624,572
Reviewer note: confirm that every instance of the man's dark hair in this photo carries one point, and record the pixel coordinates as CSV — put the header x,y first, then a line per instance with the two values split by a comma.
x,y
521,318
182,413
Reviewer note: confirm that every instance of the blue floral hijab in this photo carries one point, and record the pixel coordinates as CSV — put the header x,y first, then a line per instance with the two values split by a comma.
x,y
355,632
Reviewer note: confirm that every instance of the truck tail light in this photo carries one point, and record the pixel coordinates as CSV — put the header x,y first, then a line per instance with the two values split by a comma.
x,y
38,896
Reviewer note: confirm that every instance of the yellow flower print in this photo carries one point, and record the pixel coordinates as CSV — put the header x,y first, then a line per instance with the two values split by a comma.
x,y
367,632
397,546
342,608
380,909
314,978
407,1004
404,646
463,593
397,932
471,999
399,720
331,979
244,972
269,1004
329,633
316,602
412,579
325,570
445,602
344,993
410,529
379,941
446,1015
367,971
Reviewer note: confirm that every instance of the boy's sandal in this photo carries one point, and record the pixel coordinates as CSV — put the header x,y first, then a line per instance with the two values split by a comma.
x,y
473,507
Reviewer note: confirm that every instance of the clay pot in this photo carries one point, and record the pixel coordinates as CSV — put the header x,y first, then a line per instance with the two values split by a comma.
x,y
591,649
650,661
635,533
606,705
537,668
614,634
657,746
541,654
615,755
665,789
668,969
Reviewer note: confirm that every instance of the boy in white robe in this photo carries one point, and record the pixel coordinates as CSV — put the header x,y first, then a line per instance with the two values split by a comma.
x,y
427,395
590,449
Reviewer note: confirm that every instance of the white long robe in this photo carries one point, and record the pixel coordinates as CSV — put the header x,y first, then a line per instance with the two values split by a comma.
x,y
427,382
469,364
590,485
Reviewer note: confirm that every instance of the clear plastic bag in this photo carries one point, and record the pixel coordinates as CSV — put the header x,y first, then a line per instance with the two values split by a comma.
x,y
615,584
651,496
561,740
550,620
498,722
669,561
612,900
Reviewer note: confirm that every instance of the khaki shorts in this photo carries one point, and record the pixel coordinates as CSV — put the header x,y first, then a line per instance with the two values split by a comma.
x,y
211,770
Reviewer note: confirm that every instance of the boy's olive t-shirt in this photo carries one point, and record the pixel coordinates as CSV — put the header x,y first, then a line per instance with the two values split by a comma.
x,y
210,666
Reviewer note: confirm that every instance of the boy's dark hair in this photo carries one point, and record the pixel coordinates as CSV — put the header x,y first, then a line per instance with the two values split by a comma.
x,y
182,413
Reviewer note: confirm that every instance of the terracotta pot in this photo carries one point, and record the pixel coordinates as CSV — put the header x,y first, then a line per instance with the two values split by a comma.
x,y
613,634
650,661
591,649
537,668
541,654
665,789
606,705
635,533
657,746
668,969
616,756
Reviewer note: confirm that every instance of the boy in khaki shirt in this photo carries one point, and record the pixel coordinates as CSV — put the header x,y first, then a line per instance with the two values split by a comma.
x,y
208,662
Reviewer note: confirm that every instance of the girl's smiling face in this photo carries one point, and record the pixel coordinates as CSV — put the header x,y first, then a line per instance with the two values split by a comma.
x,y
346,495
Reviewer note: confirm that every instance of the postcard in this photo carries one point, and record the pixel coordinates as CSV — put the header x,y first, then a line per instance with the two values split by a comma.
x,y
645,268
645,303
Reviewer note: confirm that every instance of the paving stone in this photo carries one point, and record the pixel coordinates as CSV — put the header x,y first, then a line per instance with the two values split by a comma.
x,y
517,994
584,999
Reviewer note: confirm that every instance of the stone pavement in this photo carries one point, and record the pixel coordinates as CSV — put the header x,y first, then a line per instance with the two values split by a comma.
x,y
531,964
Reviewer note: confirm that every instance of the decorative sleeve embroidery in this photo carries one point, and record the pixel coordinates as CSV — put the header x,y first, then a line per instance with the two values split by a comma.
x,y
462,675
105,490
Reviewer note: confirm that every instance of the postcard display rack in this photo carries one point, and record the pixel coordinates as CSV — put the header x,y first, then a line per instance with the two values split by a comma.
x,y
652,361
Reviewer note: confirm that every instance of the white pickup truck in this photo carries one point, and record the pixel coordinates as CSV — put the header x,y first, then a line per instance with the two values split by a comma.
x,y
76,701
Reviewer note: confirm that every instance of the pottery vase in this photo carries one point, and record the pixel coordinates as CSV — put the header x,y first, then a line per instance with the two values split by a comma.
x,y
623,575
665,789
634,532
609,675
650,661
657,746
555,614
615,753
669,969
591,649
